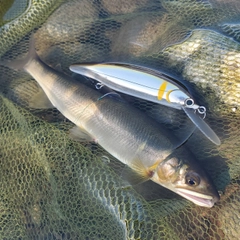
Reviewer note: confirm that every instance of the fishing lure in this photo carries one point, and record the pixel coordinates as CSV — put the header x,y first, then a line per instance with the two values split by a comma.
x,y
150,85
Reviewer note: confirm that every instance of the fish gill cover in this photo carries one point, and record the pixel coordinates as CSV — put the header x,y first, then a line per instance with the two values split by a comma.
x,y
52,187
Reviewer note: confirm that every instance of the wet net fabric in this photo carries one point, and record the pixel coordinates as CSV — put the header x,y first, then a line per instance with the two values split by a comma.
x,y
52,187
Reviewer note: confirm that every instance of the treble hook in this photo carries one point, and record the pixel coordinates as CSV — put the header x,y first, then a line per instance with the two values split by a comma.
x,y
189,103
98,86
202,110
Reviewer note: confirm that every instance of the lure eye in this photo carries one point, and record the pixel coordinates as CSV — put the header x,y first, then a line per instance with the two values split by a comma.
x,y
189,102
192,179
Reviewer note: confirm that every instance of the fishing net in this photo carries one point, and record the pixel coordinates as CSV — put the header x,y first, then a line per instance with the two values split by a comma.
x,y
52,187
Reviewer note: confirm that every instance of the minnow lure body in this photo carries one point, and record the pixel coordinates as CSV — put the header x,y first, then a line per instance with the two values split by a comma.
x,y
150,85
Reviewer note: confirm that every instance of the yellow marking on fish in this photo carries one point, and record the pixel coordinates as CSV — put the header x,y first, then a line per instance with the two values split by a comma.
x,y
150,170
167,95
161,90
154,166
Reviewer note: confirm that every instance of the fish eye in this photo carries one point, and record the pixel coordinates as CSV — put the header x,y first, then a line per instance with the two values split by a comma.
x,y
192,179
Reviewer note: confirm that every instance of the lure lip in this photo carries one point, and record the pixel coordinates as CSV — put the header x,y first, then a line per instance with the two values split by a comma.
x,y
202,126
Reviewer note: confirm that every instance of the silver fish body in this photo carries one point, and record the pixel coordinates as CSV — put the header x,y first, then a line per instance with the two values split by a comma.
x,y
125,132
112,123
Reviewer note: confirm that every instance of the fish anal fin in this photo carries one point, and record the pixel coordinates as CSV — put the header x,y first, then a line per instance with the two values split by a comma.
x,y
40,100
79,134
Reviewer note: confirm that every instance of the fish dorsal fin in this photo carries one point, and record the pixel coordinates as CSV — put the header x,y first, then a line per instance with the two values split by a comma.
x,y
113,95
40,100
182,137
177,122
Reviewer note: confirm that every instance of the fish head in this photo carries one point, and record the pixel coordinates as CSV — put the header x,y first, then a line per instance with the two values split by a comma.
x,y
180,173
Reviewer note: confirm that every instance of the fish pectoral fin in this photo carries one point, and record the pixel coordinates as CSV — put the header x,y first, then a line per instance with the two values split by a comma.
x,y
131,177
40,100
78,134
136,173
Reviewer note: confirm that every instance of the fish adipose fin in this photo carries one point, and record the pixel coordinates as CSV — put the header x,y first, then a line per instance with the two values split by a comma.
x,y
113,95
202,125
40,100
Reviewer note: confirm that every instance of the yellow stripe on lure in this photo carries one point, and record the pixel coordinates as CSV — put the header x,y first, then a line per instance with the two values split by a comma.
x,y
150,85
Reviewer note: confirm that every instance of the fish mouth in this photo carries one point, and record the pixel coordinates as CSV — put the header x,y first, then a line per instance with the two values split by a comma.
x,y
200,199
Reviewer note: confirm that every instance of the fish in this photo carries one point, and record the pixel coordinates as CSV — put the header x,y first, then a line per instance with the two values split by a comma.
x,y
129,135
150,85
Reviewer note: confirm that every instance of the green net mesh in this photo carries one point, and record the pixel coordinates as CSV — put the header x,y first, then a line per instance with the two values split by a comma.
x,y
52,187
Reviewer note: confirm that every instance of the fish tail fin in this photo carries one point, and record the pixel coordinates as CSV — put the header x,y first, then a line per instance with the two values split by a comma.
x,y
19,64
